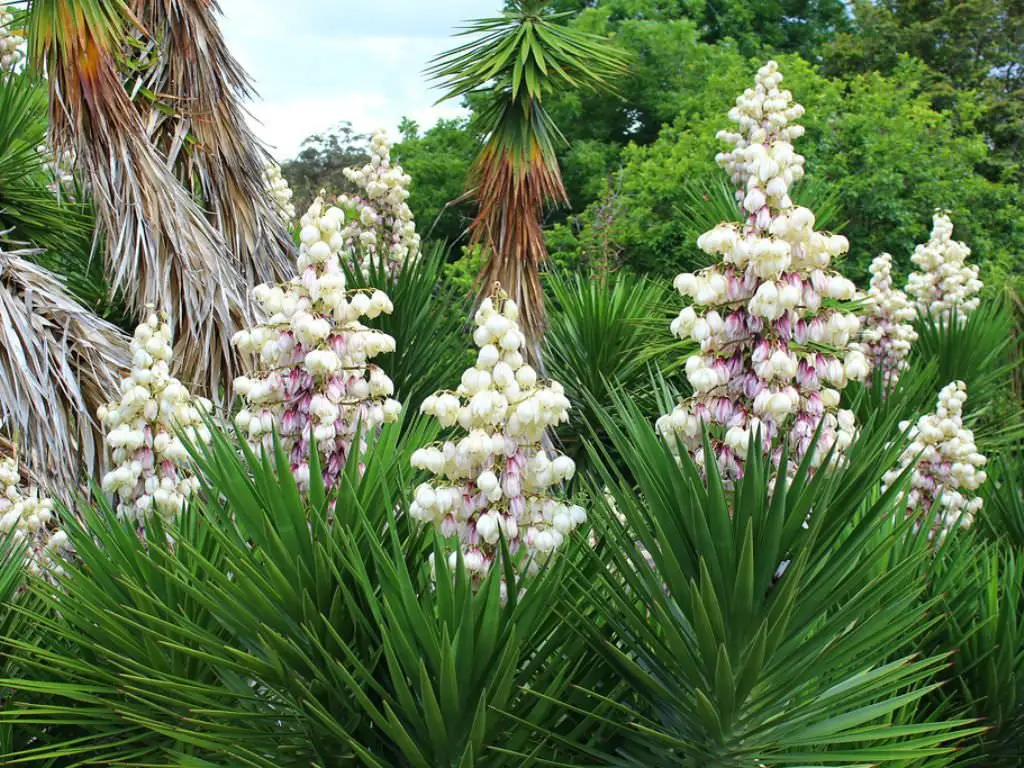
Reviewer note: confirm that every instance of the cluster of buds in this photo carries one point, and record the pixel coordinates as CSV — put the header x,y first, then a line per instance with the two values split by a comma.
x,y
496,481
11,43
280,192
776,345
888,334
948,466
314,383
28,518
150,461
381,226
944,282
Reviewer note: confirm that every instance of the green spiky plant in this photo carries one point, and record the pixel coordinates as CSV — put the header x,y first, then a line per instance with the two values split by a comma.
x,y
716,655
513,61
277,630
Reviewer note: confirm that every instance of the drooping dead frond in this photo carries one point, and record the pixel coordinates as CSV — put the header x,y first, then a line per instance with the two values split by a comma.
x,y
162,252
189,90
58,364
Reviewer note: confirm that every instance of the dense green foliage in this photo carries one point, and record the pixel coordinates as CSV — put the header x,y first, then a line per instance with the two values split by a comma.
x,y
911,106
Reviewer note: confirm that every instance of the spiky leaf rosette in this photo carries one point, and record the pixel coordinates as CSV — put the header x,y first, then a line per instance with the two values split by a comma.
x,y
58,364
280,192
775,341
190,92
944,282
161,250
151,470
381,228
28,517
314,383
888,332
948,467
12,43
497,481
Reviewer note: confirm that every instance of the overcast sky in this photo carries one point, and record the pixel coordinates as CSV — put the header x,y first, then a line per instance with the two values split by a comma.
x,y
317,62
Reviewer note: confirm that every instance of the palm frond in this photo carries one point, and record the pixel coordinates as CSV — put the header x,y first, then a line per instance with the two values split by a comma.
x,y
189,90
58,364
160,250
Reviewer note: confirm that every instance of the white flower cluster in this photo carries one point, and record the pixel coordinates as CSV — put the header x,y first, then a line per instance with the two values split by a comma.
x,y
150,460
888,334
58,166
280,192
949,467
315,384
775,345
11,43
944,281
28,517
381,223
497,479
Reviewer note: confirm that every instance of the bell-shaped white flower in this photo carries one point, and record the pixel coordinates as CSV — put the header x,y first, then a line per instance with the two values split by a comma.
x,y
28,517
151,470
497,480
775,341
948,469
314,382
380,223
944,282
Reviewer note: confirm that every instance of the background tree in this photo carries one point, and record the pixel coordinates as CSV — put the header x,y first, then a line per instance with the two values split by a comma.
x,y
322,161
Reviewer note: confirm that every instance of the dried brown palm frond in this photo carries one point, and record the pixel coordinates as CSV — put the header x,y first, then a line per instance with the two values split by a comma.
x,y
161,250
190,90
512,186
58,364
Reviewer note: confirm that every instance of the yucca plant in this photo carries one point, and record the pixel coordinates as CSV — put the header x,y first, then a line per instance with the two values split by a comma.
x,y
279,630
763,629
606,334
980,601
513,61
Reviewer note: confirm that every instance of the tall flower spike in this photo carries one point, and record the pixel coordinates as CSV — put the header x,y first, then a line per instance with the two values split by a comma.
x,y
949,467
28,517
497,479
151,465
12,49
888,334
280,192
775,343
944,281
380,223
314,383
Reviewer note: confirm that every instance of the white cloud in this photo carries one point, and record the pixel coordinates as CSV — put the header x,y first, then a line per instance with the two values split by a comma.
x,y
317,62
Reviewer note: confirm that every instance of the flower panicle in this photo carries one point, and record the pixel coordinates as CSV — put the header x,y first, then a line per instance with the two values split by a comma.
x,y
313,381
948,468
775,344
380,222
151,467
498,480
